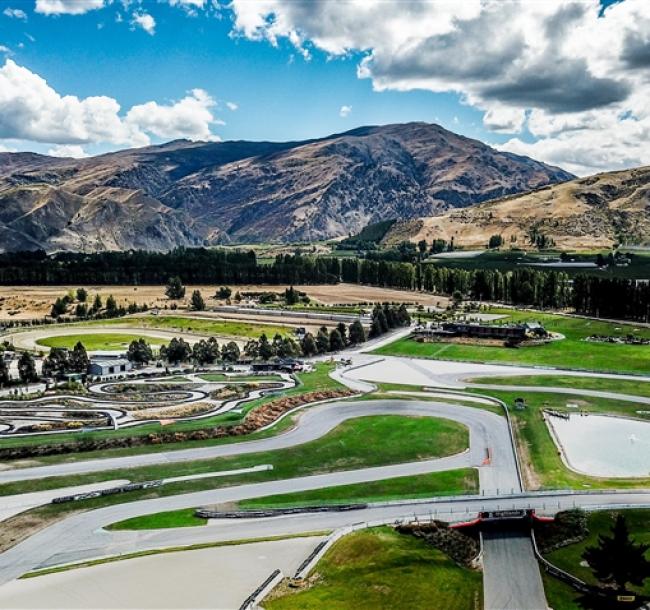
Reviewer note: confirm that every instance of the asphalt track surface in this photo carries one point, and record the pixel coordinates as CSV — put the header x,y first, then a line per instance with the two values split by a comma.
x,y
511,575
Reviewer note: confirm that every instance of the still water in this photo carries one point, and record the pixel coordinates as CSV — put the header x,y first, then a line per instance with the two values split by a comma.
x,y
605,446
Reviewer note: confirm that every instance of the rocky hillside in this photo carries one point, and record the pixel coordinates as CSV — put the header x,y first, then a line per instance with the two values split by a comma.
x,y
185,193
586,213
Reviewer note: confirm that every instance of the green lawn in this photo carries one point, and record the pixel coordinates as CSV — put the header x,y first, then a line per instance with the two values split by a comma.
x,y
571,352
356,443
569,557
451,482
99,341
202,326
620,386
537,451
447,483
173,518
379,569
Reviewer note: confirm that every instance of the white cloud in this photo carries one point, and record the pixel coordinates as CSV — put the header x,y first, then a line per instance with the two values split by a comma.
x,y
31,110
4,49
144,21
67,7
189,118
562,69
15,13
345,111
68,150
232,106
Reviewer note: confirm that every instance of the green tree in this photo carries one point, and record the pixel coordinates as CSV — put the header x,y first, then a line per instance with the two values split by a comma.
x,y
343,330
97,304
357,334
617,559
81,310
78,360
27,368
252,349
322,341
177,351
224,293
59,308
230,352
336,341
139,352
291,296
205,352
56,364
308,345
265,348
496,241
82,295
4,372
111,305
196,302
175,289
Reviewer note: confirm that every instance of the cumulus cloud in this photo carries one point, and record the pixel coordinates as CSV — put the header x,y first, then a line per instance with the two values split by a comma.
x,y
190,117
68,150
344,111
144,21
32,110
4,49
232,106
15,13
558,69
67,7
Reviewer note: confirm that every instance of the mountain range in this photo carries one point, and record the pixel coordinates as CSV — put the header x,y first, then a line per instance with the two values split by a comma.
x,y
586,213
199,194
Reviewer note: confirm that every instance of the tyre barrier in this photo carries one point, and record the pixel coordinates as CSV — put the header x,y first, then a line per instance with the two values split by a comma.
x,y
251,601
107,492
275,512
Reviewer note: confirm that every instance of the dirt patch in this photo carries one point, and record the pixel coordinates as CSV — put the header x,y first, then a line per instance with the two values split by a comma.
x,y
22,526
28,302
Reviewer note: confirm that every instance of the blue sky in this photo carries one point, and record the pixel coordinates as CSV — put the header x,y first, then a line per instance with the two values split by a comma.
x,y
290,76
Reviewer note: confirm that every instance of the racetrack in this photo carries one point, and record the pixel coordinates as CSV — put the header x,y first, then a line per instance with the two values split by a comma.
x,y
82,536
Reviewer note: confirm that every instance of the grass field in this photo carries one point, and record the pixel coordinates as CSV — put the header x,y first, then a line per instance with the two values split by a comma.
x,y
572,352
173,518
446,483
451,482
620,386
569,558
379,569
225,328
99,341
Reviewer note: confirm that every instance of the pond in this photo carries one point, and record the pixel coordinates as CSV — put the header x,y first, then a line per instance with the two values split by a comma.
x,y
603,446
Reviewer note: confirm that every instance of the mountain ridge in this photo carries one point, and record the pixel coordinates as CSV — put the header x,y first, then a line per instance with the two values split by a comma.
x,y
184,193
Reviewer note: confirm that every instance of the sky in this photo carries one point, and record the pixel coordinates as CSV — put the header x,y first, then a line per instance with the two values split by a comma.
x,y
565,82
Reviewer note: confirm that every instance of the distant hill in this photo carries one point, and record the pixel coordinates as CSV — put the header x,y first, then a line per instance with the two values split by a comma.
x,y
586,213
192,193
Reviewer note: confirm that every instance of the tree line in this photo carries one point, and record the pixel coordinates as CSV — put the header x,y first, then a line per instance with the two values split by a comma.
x,y
588,294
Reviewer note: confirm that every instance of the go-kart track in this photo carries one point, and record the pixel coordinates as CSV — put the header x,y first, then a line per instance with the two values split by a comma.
x,y
511,574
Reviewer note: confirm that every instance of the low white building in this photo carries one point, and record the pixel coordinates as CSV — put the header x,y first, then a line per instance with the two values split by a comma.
x,y
107,367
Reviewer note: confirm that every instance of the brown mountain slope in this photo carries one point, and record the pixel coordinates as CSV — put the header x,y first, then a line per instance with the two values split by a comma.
x,y
585,213
185,193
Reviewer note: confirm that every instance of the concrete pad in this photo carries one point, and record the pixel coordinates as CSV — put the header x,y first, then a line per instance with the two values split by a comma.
x,y
220,577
